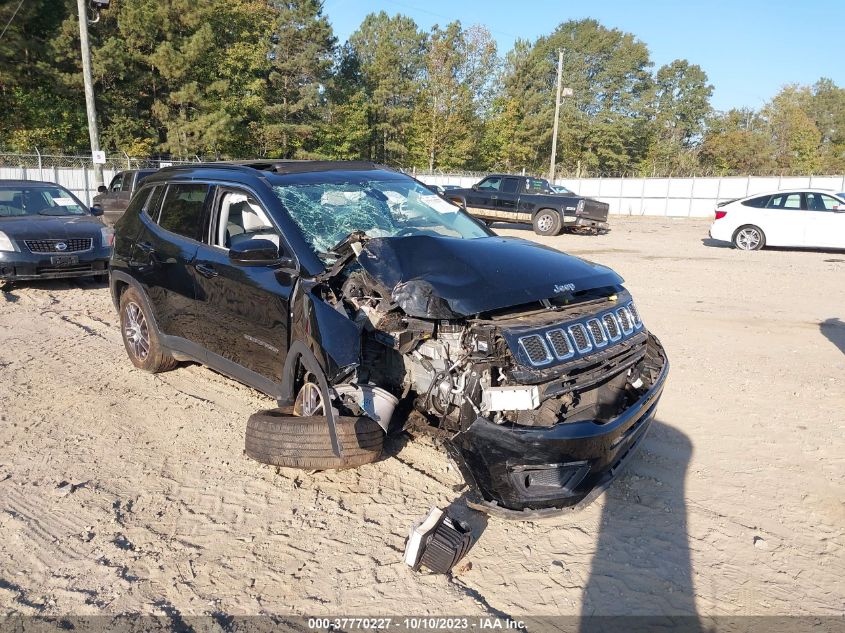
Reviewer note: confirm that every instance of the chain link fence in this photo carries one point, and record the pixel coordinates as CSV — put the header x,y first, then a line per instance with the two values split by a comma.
x,y
628,193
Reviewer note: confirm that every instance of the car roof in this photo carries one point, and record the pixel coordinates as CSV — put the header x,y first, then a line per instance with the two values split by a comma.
x,y
279,166
22,183
791,190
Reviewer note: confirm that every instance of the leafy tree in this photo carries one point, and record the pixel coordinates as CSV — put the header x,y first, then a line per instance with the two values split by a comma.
x,y
796,138
390,54
301,65
738,143
453,96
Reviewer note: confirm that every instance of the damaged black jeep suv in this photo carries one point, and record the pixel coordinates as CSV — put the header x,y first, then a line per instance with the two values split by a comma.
x,y
350,292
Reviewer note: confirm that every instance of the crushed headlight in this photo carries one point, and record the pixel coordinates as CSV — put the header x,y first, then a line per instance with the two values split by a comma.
x,y
6,244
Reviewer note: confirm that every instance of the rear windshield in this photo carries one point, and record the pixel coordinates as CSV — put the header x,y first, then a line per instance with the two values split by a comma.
x,y
38,200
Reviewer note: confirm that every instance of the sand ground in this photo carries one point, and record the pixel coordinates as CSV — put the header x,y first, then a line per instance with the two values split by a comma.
x,y
735,505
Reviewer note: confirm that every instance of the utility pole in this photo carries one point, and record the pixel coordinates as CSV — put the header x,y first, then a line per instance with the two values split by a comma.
x,y
90,105
557,114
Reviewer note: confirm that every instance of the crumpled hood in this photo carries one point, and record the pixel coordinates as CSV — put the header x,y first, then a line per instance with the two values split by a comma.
x,y
443,277
35,227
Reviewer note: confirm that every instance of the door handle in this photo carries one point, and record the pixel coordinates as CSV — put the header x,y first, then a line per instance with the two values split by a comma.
x,y
206,271
494,197
146,247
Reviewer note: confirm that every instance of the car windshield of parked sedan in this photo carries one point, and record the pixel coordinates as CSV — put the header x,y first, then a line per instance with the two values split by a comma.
x,y
327,212
21,201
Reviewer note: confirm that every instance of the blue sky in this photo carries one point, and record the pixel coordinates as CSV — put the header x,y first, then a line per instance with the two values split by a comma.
x,y
749,49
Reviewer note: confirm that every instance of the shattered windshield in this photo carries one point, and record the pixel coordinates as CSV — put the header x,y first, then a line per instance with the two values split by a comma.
x,y
327,212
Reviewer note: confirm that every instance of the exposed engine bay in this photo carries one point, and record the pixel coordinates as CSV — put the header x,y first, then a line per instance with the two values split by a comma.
x,y
507,366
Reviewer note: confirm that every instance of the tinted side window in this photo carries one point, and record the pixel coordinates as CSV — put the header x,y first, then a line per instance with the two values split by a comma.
x,y
758,203
510,185
127,181
116,183
785,201
821,202
138,201
182,209
490,184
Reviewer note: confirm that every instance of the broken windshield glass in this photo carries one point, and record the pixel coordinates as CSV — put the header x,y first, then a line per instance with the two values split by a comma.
x,y
327,212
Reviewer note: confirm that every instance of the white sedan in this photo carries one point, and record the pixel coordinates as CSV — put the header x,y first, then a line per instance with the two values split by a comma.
x,y
810,218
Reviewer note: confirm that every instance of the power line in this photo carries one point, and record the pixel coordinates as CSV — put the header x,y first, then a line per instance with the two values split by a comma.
x,y
10,19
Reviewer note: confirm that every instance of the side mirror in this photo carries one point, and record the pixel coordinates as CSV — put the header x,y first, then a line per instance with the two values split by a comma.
x,y
257,253
475,187
102,189
96,211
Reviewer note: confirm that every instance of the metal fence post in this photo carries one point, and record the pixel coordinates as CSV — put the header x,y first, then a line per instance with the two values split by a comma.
x,y
691,197
87,191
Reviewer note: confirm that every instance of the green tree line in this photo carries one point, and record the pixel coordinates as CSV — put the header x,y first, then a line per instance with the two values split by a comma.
x,y
252,78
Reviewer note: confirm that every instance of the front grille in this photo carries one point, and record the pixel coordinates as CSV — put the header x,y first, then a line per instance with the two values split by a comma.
x,y
611,326
579,335
597,332
625,320
561,346
536,350
72,245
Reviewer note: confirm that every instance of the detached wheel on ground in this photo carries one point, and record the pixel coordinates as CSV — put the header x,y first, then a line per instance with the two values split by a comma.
x,y
547,222
749,238
140,337
278,438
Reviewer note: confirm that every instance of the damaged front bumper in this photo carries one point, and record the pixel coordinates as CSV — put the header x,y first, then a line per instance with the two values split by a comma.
x,y
529,472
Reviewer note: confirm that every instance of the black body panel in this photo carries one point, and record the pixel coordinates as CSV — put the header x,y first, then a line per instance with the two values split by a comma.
x,y
441,277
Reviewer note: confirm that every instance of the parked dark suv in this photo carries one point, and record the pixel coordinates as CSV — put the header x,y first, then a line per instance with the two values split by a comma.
x,y
350,292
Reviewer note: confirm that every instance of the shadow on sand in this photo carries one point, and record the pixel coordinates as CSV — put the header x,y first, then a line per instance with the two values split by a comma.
x,y
834,331
642,565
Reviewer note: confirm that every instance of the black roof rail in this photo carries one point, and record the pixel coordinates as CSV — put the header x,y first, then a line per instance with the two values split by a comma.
x,y
282,166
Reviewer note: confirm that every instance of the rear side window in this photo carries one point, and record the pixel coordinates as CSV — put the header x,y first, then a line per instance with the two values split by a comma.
x,y
757,203
138,201
182,209
785,201
510,185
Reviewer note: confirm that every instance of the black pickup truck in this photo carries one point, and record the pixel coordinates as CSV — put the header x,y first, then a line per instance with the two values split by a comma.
x,y
527,200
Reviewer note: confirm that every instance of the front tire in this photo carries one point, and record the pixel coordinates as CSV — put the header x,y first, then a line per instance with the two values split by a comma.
x,y
278,438
547,222
140,337
749,238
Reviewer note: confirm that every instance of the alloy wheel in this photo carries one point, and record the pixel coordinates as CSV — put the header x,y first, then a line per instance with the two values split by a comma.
x,y
748,239
309,401
135,331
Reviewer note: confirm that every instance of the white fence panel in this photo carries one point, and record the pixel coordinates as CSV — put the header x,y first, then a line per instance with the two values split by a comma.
x,y
694,197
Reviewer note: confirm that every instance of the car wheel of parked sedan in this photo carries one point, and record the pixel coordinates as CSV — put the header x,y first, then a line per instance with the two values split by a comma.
x,y
280,438
749,238
140,337
547,222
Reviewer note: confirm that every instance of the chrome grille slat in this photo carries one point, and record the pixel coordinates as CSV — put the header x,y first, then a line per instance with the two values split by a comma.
x,y
581,338
597,332
535,349
625,320
611,326
634,313
561,346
